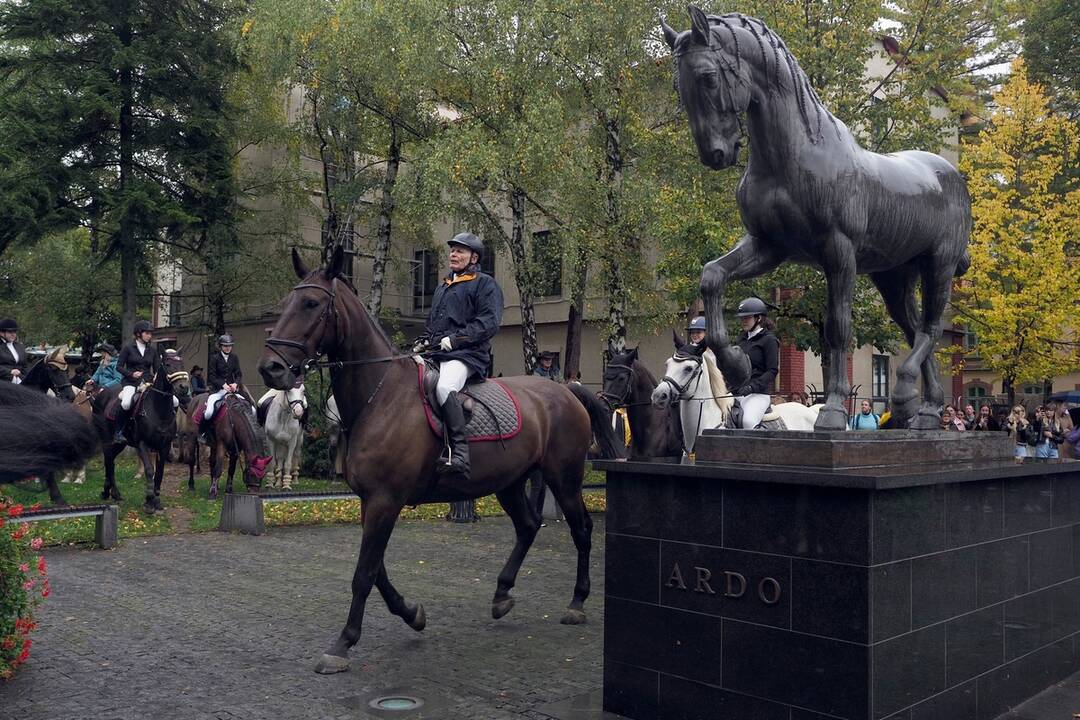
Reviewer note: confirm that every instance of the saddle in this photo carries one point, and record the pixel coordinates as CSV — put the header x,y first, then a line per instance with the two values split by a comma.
x,y
491,410
200,410
114,405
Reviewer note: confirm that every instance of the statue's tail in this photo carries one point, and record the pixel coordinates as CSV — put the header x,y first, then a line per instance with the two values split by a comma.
x,y
963,265
600,418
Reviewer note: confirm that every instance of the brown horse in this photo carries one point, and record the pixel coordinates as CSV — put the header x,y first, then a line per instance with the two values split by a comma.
x,y
233,431
392,452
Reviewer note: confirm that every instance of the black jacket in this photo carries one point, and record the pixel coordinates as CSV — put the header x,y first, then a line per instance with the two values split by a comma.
x,y
130,361
468,310
764,352
220,371
1057,436
8,363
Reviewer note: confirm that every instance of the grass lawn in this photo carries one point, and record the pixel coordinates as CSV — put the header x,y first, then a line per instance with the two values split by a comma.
x,y
193,512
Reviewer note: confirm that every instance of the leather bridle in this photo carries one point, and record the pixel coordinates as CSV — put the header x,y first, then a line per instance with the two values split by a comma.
x,y
683,389
329,311
617,401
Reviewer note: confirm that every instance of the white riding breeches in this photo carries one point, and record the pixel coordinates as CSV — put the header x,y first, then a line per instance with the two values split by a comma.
x,y
127,394
212,401
452,377
754,408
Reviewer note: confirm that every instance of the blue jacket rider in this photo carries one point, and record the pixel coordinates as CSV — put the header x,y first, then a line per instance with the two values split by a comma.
x,y
465,314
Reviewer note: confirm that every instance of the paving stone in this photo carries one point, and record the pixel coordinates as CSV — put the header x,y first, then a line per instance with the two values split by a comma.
x,y
229,626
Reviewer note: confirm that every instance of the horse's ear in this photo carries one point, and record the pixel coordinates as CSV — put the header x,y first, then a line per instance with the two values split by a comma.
x,y
669,34
298,265
677,339
337,263
699,25
633,354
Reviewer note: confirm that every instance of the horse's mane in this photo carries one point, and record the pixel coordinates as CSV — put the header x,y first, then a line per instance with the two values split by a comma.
x,y
39,434
716,380
768,43
348,284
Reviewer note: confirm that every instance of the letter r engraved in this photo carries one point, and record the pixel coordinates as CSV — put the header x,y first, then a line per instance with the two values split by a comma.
x,y
703,577
675,579
769,591
735,585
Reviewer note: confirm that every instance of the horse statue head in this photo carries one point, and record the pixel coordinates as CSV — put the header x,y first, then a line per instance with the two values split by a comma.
x,y
714,87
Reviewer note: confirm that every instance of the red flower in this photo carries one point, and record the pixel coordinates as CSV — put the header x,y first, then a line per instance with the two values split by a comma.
x,y
7,643
1,521
36,506
36,544
45,590
19,534
15,511
40,562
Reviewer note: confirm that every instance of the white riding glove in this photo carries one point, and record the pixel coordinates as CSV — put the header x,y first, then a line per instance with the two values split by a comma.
x,y
445,344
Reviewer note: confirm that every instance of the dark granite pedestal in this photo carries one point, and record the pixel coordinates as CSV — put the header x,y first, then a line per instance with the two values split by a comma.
x,y
860,576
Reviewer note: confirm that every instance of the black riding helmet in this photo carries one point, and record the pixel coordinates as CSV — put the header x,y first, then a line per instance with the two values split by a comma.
x,y
468,240
225,339
142,326
752,306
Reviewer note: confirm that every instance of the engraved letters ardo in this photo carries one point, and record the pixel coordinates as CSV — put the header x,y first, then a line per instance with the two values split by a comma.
x,y
726,583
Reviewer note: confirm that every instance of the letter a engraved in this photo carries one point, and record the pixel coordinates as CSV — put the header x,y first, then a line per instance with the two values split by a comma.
x,y
703,577
736,585
675,580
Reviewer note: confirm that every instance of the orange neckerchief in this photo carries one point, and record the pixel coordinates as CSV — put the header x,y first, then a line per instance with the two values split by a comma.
x,y
460,278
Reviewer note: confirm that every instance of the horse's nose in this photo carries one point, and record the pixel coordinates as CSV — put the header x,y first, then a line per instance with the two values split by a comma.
x,y
275,374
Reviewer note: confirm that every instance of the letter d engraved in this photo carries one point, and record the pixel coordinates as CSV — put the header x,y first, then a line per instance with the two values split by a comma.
x,y
735,585
675,579
769,591
703,577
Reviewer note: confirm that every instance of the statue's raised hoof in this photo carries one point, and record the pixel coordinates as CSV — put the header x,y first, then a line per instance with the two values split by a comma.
x,y
573,617
501,607
419,621
330,664
831,418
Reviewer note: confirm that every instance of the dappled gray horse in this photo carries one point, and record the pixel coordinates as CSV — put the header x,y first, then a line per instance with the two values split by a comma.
x,y
811,195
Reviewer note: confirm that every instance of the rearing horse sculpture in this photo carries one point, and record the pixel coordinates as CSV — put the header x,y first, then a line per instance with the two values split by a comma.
x,y
811,195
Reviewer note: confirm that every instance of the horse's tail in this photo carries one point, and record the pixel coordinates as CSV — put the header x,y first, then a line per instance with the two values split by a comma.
x,y
600,418
40,435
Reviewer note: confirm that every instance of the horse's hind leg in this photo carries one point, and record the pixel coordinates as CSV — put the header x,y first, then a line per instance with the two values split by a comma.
x,y
566,488
49,480
897,288
526,525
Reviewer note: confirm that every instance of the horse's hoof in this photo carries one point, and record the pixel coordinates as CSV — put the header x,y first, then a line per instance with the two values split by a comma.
x,y
499,608
330,664
831,418
419,621
148,508
116,495
573,617
104,494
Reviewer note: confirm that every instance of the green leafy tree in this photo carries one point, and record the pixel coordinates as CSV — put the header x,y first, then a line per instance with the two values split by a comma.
x,y
1052,53
118,112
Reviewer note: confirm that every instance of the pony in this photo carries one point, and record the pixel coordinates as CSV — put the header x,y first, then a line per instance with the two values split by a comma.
x,y
811,195
281,413
233,431
654,431
392,452
694,381
152,428
40,435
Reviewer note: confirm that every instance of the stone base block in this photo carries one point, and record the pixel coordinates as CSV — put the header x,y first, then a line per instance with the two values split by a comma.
x,y
242,512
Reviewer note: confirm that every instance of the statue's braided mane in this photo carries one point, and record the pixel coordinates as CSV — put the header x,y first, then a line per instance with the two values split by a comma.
x,y
766,41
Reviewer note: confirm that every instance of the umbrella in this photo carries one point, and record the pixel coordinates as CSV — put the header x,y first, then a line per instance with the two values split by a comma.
x,y
1069,396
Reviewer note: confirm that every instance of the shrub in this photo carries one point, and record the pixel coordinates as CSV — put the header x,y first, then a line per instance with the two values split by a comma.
x,y
23,586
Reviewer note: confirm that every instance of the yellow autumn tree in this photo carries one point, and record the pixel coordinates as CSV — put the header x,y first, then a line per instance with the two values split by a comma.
x,y
1022,293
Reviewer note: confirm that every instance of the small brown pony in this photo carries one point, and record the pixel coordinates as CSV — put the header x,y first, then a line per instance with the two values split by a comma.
x,y
392,452
234,431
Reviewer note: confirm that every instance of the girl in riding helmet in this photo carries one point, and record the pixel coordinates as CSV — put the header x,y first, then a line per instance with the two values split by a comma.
x,y
137,363
763,349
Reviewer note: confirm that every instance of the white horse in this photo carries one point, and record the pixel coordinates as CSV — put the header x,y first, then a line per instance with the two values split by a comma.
x,y
336,437
282,410
704,402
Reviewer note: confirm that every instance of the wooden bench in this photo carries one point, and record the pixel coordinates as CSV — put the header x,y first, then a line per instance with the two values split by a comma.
x,y
107,520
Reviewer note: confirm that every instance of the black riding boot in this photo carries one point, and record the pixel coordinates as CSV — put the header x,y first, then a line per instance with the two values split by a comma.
x,y
456,445
121,420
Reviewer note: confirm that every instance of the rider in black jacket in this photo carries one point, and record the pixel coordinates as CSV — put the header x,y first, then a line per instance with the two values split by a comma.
x,y
465,315
12,352
137,363
763,349
224,376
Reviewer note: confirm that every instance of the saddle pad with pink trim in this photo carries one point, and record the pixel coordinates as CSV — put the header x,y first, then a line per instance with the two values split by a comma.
x,y
495,413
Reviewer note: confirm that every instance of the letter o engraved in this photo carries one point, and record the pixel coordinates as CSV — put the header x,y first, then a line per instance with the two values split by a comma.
x,y
769,591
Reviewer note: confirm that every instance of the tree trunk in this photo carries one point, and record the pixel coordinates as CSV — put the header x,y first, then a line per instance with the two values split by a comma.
x,y
129,252
523,277
615,286
572,362
1008,386
386,216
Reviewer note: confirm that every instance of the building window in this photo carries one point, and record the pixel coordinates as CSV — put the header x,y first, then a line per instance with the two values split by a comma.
x,y
425,278
1032,390
970,338
881,377
174,309
487,260
547,263
975,391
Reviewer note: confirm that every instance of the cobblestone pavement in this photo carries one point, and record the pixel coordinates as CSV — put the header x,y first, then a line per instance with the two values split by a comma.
x,y
229,627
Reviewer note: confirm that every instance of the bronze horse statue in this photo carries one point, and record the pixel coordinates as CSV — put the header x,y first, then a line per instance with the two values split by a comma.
x,y
392,452
811,195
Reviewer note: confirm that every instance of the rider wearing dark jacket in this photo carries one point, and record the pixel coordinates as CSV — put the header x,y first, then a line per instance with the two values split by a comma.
x,y
763,350
223,370
465,315
137,363
12,352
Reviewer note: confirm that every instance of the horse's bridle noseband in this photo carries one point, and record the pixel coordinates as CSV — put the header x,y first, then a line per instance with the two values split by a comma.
x,y
683,389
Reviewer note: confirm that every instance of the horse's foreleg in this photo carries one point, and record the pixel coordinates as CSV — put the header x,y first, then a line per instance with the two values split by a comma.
x,y
148,474
897,288
526,525
937,280
840,277
749,258
217,459
49,481
232,471
565,484
412,613
109,457
380,514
